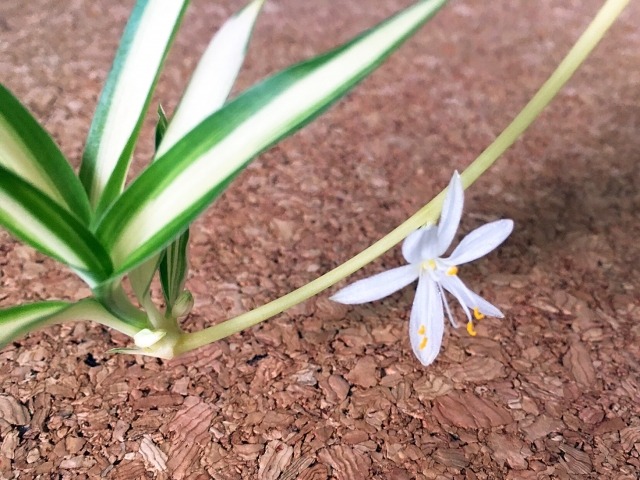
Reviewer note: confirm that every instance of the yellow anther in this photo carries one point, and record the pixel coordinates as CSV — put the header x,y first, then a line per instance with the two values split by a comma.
x,y
452,271
470,329
421,330
423,343
477,315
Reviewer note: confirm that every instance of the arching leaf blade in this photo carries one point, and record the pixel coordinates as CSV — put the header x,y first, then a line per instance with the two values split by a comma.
x,y
31,216
167,196
15,322
214,76
125,98
27,150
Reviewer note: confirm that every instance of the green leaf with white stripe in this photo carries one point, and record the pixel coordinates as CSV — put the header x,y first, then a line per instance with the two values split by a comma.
x,y
27,150
125,98
214,76
206,93
16,322
31,216
178,186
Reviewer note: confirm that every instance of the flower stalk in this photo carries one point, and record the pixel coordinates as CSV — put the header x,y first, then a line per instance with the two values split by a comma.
x,y
431,211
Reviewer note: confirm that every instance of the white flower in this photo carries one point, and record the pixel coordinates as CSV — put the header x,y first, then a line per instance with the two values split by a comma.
x,y
423,250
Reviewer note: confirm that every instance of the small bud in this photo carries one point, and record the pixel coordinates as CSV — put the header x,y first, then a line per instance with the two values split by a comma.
x,y
146,338
183,305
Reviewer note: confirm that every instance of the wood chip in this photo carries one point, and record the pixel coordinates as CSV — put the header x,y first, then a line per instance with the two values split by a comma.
x,y
9,444
509,449
451,457
541,427
364,374
275,459
295,469
347,464
190,427
74,444
610,425
576,461
129,470
152,455
316,472
335,387
629,437
467,410
579,362
430,387
477,370
13,411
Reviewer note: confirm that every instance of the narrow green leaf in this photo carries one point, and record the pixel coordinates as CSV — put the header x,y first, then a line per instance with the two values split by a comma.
x,y
27,150
141,276
174,267
214,76
173,261
177,187
31,216
161,126
16,322
125,98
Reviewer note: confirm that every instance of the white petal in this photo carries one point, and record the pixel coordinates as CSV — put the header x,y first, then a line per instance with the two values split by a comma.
x,y
426,311
481,241
485,307
451,213
378,286
429,244
453,285
469,299
411,247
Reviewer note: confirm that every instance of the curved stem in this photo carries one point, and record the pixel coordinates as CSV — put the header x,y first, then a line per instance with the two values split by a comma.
x,y
113,297
90,309
430,212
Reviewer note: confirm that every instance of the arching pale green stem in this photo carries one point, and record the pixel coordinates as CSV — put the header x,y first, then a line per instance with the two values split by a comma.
x,y
430,212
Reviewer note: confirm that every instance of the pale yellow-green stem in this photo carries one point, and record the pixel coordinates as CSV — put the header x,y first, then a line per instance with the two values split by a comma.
x,y
430,212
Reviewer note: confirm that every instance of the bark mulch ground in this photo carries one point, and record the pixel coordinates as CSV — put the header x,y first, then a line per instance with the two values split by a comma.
x,y
324,391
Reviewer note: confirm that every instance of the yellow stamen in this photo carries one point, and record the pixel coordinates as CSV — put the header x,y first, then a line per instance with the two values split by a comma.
x,y
470,329
429,264
423,343
452,271
421,330
477,315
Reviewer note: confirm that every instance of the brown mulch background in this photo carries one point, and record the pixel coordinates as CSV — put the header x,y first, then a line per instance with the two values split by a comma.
x,y
323,391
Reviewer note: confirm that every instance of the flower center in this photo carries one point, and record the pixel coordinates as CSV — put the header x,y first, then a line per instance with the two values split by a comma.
x,y
432,265
429,265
